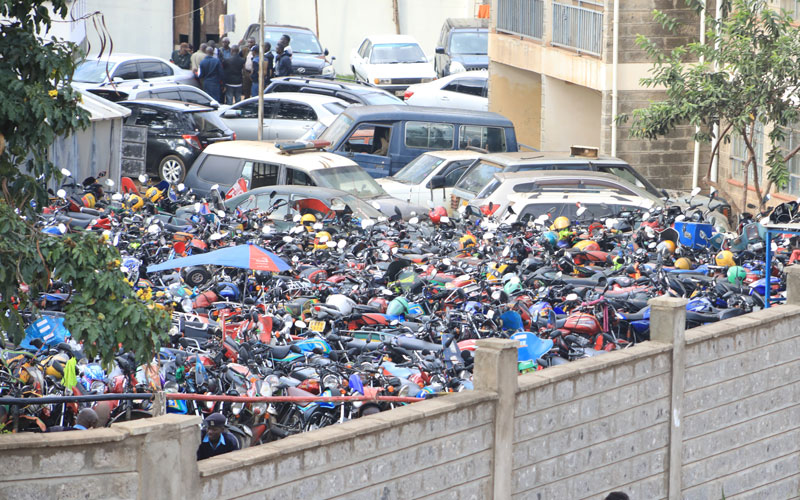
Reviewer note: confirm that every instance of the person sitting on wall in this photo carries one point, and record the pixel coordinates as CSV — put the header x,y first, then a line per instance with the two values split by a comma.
x,y
215,440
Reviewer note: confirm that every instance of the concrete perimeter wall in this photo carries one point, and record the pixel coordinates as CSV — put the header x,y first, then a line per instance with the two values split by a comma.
x,y
689,415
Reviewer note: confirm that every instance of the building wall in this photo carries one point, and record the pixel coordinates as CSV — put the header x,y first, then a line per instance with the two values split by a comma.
x,y
344,23
209,26
517,95
570,115
141,27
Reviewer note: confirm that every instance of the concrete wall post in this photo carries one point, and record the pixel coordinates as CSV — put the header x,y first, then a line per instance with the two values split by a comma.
x,y
668,325
159,404
496,371
793,285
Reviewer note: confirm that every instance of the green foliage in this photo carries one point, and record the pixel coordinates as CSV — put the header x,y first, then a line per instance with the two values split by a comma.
x,y
755,78
37,104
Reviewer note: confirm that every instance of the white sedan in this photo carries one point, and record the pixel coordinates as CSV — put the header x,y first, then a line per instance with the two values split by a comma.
x,y
459,91
391,62
287,115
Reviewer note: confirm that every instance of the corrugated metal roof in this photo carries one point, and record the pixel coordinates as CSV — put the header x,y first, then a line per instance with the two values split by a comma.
x,y
102,109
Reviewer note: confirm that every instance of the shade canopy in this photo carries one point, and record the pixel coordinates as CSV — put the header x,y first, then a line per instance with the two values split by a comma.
x,y
247,256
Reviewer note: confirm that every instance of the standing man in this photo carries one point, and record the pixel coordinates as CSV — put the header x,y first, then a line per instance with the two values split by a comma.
x,y
211,73
283,61
225,50
267,69
181,57
247,53
232,69
197,57
215,440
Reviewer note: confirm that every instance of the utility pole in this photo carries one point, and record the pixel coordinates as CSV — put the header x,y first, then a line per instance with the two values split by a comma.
x,y
261,57
316,16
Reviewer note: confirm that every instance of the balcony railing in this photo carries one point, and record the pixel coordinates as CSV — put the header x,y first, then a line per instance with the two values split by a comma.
x,y
521,17
577,28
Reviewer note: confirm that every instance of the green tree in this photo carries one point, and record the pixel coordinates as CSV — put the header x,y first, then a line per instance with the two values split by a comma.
x,y
37,104
749,74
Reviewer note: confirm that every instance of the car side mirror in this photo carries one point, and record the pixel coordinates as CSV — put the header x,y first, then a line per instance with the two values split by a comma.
x,y
213,104
437,181
325,52
440,50
231,113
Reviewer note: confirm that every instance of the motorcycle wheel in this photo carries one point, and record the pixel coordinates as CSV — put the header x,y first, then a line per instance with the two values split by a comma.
x,y
318,420
196,276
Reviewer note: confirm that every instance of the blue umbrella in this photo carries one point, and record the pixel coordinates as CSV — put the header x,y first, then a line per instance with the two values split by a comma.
x,y
247,256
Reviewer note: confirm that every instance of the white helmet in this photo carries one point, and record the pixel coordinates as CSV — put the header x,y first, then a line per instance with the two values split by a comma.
x,y
343,303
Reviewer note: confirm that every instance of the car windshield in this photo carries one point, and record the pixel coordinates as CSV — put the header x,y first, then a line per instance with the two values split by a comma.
x,y
93,71
419,168
337,130
301,43
351,179
478,176
394,53
490,188
208,122
475,42
359,207
378,98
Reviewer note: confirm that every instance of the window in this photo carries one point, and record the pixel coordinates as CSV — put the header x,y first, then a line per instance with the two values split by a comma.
x,y
194,97
429,135
362,51
492,139
285,87
739,153
297,178
468,86
261,174
288,110
452,176
127,71
155,119
793,165
153,69
248,110
222,170
369,139
264,203
166,94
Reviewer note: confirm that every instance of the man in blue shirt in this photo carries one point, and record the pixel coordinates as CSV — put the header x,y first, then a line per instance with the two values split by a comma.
x,y
211,73
215,440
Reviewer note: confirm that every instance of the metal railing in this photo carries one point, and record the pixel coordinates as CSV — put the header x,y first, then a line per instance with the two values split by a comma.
x,y
521,17
577,28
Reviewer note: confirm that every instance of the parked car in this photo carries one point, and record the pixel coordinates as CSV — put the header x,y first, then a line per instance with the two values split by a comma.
x,y
352,92
308,56
264,164
133,90
177,132
597,205
287,115
391,62
459,91
463,46
103,71
429,177
383,139
506,188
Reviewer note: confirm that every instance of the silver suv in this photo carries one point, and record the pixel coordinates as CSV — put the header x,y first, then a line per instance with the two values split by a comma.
x,y
129,91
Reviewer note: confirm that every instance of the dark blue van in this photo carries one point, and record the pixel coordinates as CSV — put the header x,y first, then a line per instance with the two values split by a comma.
x,y
383,139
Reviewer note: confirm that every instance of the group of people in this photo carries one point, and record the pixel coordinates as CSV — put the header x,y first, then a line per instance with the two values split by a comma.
x,y
231,71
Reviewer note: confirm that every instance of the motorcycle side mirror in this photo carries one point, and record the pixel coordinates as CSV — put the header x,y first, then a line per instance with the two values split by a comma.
x,y
651,245
116,196
695,191
680,218
447,262
221,213
295,259
572,297
181,187
109,183
143,179
317,226
300,324
767,197
61,193
323,239
331,244
445,219
266,229
395,250
341,244
496,295
296,218
384,256
288,239
713,191
66,173
413,220
62,228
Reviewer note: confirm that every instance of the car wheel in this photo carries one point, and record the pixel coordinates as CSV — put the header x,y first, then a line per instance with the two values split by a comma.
x,y
172,169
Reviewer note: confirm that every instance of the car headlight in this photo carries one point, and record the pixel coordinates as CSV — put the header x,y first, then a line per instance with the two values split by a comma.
x,y
382,81
328,71
456,67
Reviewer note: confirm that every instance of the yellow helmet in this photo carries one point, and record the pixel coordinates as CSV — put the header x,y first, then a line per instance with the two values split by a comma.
x,y
467,241
135,202
725,258
88,200
683,263
153,194
307,221
321,240
560,223
666,246
587,245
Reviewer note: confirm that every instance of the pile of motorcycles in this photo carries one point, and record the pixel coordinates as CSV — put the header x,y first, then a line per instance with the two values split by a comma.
x,y
369,307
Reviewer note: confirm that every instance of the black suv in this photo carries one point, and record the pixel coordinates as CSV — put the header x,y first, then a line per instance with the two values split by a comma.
x,y
308,56
463,46
354,93
177,132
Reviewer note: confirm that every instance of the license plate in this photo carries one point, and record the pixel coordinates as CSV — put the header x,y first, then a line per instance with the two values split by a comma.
x,y
400,93
317,326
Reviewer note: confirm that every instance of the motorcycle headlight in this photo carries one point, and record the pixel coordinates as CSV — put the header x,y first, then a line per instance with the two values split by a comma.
x,y
456,67
330,380
272,381
98,387
236,408
403,392
328,71
209,405
259,408
171,386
